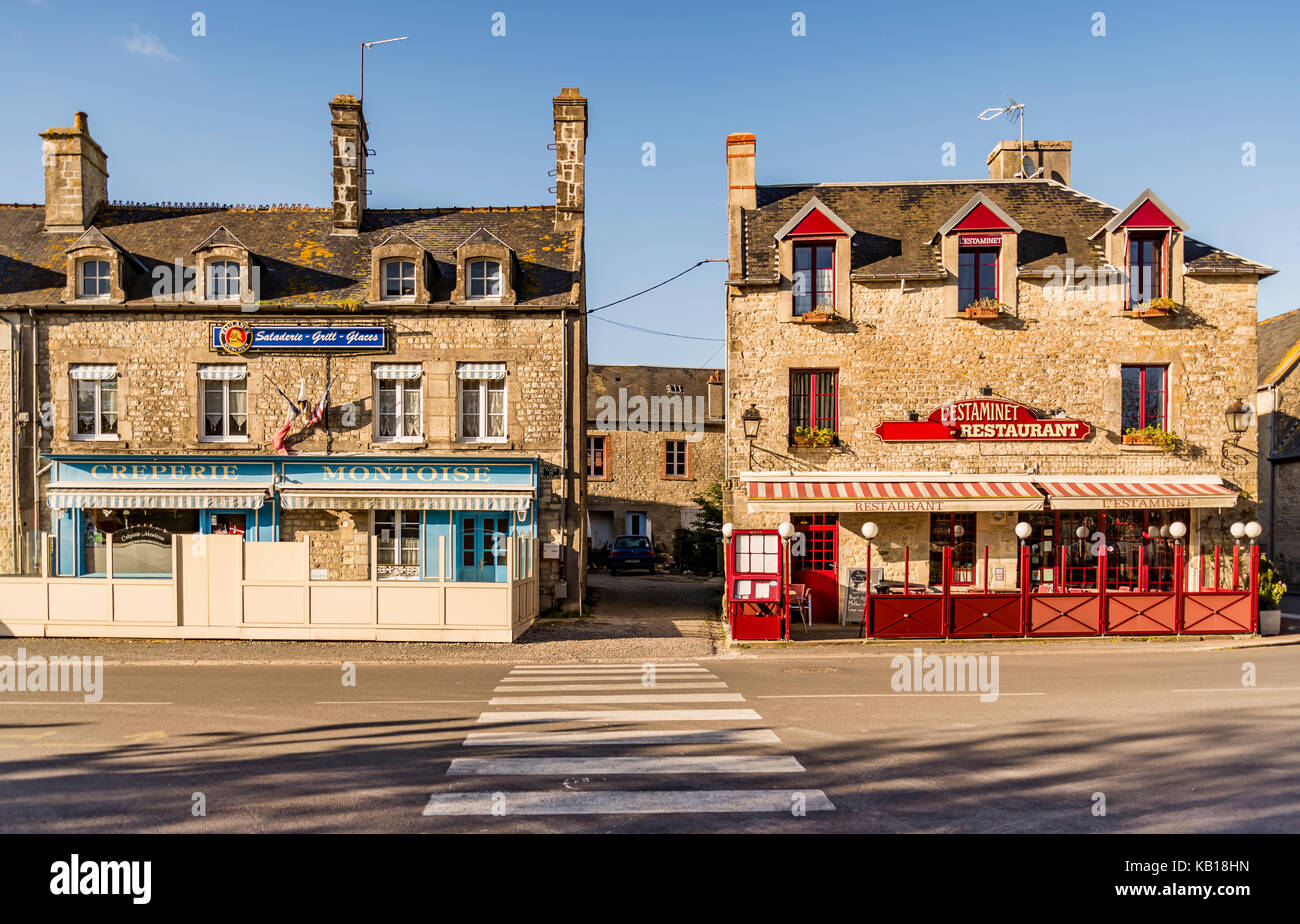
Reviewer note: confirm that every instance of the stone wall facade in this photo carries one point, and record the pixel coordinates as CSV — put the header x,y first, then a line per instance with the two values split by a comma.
x,y
9,534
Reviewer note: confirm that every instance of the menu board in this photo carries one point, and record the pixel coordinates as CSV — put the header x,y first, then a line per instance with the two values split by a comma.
x,y
855,594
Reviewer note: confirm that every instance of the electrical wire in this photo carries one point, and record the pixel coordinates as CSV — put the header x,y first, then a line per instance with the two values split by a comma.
x,y
661,333
657,285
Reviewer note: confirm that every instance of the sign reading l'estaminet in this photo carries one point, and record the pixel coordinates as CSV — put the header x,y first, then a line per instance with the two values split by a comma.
x,y
991,419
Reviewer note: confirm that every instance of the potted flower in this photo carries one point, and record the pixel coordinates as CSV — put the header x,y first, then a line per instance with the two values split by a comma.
x,y
819,315
1271,590
813,436
1161,307
1151,436
984,309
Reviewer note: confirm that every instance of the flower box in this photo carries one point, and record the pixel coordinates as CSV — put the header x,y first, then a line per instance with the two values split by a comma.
x,y
1137,439
817,317
986,309
1156,308
1151,436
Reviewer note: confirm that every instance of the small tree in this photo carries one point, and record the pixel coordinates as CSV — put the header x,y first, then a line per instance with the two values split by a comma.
x,y
695,548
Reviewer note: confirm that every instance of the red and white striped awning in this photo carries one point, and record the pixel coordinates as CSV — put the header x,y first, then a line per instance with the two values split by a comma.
x,y
1136,495
892,496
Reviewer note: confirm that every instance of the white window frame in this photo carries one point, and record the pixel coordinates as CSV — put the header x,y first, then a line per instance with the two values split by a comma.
x,y
485,279
482,388
402,387
98,386
225,279
226,436
107,279
401,519
401,279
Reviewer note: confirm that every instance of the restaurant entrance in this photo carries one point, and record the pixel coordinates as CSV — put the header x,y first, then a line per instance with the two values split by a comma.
x,y
817,538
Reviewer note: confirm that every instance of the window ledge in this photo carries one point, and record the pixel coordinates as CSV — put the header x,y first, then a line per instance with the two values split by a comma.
x,y
97,438
482,445
1141,447
216,441
401,445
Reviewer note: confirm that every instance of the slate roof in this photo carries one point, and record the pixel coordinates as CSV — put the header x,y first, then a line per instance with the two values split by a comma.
x,y
1276,337
896,225
645,380
301,262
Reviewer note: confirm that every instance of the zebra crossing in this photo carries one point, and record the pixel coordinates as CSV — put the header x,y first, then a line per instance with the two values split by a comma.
x,y
660,733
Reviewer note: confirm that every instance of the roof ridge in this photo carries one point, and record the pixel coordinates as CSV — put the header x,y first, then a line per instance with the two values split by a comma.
x,y
1278,317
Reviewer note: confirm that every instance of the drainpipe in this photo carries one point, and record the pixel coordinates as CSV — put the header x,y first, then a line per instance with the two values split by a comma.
x,y
35,426
15,335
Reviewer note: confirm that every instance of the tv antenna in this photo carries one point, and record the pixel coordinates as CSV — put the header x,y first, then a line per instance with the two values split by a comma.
x,y
364,46
1015,112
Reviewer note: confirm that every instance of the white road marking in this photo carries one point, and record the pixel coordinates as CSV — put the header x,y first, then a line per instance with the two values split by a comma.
x,y
621,715
77,702
610,766
645,736
623,666
626,677
626,803
884,695
577,687
622,672
636,698
392,702
1232,689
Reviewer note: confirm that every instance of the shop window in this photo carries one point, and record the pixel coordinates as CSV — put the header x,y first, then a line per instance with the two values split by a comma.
x,y
223,280
225,403
397,544
482,401
95,399
814,400
93,279
957,532
757,553
399,280
484,541
141,539
1145,394
399,395
814,278
1146,261
598,458
484,279
675,460
977,275
1066,549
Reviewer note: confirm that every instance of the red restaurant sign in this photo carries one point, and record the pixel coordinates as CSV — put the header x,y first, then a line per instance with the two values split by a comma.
x,y
992,419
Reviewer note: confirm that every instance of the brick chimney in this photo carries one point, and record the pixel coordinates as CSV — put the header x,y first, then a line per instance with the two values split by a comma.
x,y
76,176
741,194
349,152
1052,157
570,158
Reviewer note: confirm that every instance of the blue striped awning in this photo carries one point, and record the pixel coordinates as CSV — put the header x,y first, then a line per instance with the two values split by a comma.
x,y
158,498
398,370
291,499
223,372
480,370
87,372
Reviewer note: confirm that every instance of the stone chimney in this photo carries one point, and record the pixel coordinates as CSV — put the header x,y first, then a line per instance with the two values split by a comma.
x,y
76,176
741,194
715,396
570,158
349,152
1052,157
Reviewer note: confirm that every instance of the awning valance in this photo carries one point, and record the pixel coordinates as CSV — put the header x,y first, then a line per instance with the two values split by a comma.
x,y
223,372
92,373
1136,495
291,499
481,371
892,496
404,371
159,497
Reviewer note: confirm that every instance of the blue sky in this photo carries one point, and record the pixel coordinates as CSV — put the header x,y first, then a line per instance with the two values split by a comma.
x,y
1166,99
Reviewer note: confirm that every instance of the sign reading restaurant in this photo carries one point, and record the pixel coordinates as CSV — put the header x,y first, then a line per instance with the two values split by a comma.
x,y
990,419
237,337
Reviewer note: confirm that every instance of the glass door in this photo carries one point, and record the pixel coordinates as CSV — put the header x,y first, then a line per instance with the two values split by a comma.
x,y
482,543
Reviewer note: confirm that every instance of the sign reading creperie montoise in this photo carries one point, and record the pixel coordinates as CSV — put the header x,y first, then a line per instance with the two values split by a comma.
x,y
991,419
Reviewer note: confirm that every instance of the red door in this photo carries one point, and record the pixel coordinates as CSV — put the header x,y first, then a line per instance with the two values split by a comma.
x,y
818,566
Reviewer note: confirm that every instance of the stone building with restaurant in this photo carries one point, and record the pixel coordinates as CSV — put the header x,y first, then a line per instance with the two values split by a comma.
x,y
1278,405
654,441
948,359
292,422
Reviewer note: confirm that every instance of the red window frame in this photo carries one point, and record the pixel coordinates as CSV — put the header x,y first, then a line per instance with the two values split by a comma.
x,y
1139,558
1151,252
978,289
598,450
817,249
818,391
942,533
1143,389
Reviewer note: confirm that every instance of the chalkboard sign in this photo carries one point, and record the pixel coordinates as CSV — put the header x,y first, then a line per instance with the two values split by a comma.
x,y
855,594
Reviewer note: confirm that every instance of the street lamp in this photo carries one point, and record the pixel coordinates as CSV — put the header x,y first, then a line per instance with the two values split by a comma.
x,y
1177,529
751,420
869,531
1238,530
1240,416
1023,531
1252,530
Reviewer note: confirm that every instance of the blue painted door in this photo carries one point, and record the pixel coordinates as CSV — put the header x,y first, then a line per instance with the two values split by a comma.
x,y
481,542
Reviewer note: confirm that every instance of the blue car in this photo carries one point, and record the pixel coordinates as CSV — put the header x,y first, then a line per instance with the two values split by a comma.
x,y
631,552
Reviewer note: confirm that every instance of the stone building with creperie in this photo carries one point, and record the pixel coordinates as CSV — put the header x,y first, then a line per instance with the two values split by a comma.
x,y
948,359
291,422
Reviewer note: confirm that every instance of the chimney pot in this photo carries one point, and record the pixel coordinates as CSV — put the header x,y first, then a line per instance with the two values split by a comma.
x,y
1052,157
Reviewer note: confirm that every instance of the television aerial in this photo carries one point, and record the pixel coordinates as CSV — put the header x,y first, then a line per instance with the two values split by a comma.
x,y
1015,112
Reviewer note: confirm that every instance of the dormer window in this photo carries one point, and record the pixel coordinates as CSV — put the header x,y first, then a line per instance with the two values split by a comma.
x,y
399,280
223,280
814,278
977,275
484,279
93,279
1146,262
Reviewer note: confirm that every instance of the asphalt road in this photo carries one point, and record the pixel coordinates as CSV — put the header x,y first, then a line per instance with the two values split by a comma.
x,y
1168,734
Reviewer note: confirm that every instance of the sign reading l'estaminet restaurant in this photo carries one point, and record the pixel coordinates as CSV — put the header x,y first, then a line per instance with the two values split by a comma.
x,y
991,419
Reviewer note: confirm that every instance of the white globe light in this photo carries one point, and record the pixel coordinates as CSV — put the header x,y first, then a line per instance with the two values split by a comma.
x,y
728,529
1178,529
1253,529
786,530
1164,532
1238,530
1082,532
1023,530
959,530
870,530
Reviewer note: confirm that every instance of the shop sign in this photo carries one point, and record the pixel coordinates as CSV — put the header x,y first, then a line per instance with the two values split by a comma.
x,y
980,240
408,474
169,472
150,534
983,419
238,337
